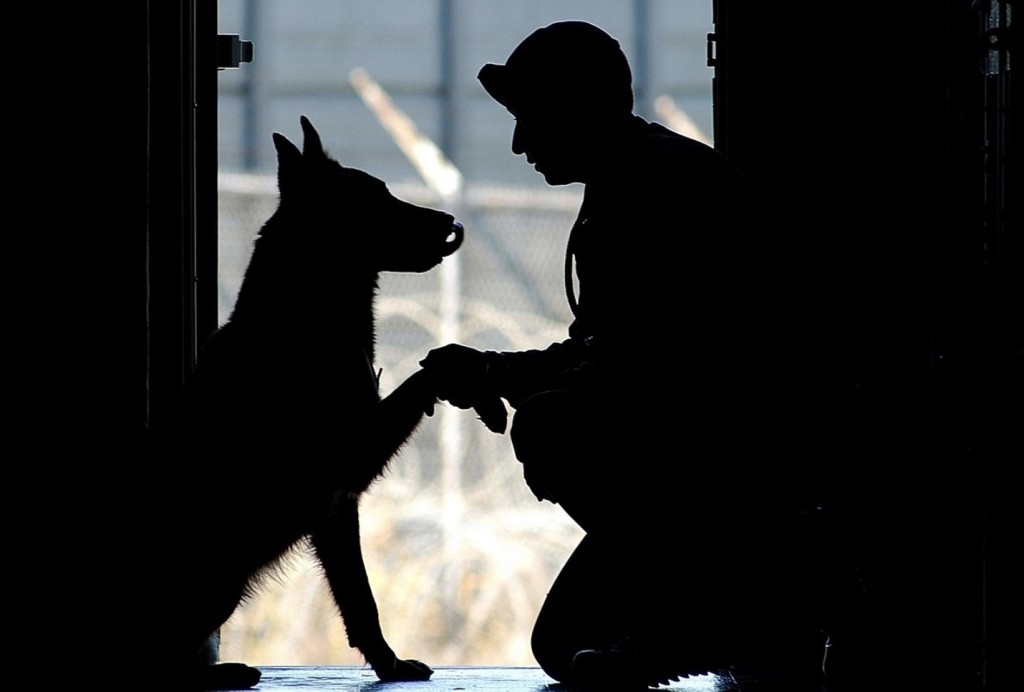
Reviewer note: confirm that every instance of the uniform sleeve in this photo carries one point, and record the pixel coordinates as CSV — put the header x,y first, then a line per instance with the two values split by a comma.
x,y
515,375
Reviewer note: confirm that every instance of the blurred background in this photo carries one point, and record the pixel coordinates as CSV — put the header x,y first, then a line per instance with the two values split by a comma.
x,y
460,554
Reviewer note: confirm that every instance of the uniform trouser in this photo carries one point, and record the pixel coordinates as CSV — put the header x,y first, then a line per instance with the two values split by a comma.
x,y
674,545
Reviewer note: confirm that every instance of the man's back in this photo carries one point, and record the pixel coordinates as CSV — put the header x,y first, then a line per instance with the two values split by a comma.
x,y
667,250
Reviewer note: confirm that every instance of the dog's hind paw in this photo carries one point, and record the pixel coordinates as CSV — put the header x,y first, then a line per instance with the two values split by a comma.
x,y
221,677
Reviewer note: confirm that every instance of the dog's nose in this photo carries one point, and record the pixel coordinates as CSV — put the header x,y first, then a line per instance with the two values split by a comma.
x,y
453,240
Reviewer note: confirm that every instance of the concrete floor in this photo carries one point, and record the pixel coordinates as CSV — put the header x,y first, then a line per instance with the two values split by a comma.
x,y
462,679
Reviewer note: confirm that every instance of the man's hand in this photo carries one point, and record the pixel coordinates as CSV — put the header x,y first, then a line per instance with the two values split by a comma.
x,y
459,375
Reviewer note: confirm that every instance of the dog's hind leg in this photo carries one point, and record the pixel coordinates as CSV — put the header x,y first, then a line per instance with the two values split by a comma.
x,y
193,632
203,673
336,541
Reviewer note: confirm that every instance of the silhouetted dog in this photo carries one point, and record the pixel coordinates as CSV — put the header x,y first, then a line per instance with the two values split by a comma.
x,y
288,426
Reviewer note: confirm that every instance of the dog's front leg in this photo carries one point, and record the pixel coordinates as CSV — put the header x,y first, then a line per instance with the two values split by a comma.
x,y
388,425
337,544
400,413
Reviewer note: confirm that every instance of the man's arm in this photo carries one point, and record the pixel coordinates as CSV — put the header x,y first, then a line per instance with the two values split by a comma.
x,y
465,376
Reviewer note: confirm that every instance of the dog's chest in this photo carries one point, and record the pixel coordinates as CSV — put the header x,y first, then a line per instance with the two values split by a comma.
x,y
353,378
371,375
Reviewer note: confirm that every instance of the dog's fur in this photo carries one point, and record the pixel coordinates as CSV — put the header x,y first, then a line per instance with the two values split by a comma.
x,y
288,425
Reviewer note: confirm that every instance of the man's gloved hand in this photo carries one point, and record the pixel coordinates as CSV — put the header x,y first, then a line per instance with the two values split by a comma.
x,y
459,374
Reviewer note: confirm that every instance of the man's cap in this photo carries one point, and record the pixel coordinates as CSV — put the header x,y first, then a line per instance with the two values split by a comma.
x,y
570,62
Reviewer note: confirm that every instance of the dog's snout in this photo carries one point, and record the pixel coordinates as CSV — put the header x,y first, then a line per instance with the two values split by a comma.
x,y
453,241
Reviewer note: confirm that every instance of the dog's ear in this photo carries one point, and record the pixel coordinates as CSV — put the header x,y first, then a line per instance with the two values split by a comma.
x,y
311,144
289,160
287,153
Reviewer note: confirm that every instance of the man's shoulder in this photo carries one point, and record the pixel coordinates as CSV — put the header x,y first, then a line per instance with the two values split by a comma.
x,y
666,158
660,142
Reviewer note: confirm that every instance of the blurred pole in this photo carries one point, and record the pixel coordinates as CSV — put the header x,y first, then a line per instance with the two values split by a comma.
x,y
441,176
447,41
436,171
640,61
253,92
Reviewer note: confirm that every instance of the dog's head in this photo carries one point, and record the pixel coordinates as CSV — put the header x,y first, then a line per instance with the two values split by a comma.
x,y
384,232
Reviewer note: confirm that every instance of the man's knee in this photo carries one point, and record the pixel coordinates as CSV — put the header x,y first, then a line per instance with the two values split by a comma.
x,y
547,439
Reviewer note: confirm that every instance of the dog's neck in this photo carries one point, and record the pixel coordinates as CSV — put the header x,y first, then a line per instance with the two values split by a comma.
x,y
282,300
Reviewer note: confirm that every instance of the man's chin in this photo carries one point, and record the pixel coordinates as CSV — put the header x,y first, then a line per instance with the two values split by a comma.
x,y
555,174
555,178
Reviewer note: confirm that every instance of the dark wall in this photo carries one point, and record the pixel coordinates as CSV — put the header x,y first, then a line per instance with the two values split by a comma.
x,y
886,162
132,136
108,131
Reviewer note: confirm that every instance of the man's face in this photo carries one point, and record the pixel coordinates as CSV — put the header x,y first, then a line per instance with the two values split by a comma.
x,y
554,142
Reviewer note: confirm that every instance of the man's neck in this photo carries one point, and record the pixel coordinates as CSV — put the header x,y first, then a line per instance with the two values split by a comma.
x,y
617,140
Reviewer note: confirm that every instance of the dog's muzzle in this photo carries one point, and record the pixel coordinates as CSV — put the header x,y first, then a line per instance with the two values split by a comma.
x,y
420,251
453,241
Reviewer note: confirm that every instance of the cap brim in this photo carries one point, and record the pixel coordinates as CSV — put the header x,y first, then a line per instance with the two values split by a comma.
x,y
496,81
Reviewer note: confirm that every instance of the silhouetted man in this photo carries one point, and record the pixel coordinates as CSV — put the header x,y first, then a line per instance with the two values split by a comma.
x,y
651,424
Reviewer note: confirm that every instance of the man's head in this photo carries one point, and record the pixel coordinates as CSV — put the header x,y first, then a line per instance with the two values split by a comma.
x,y
566,84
